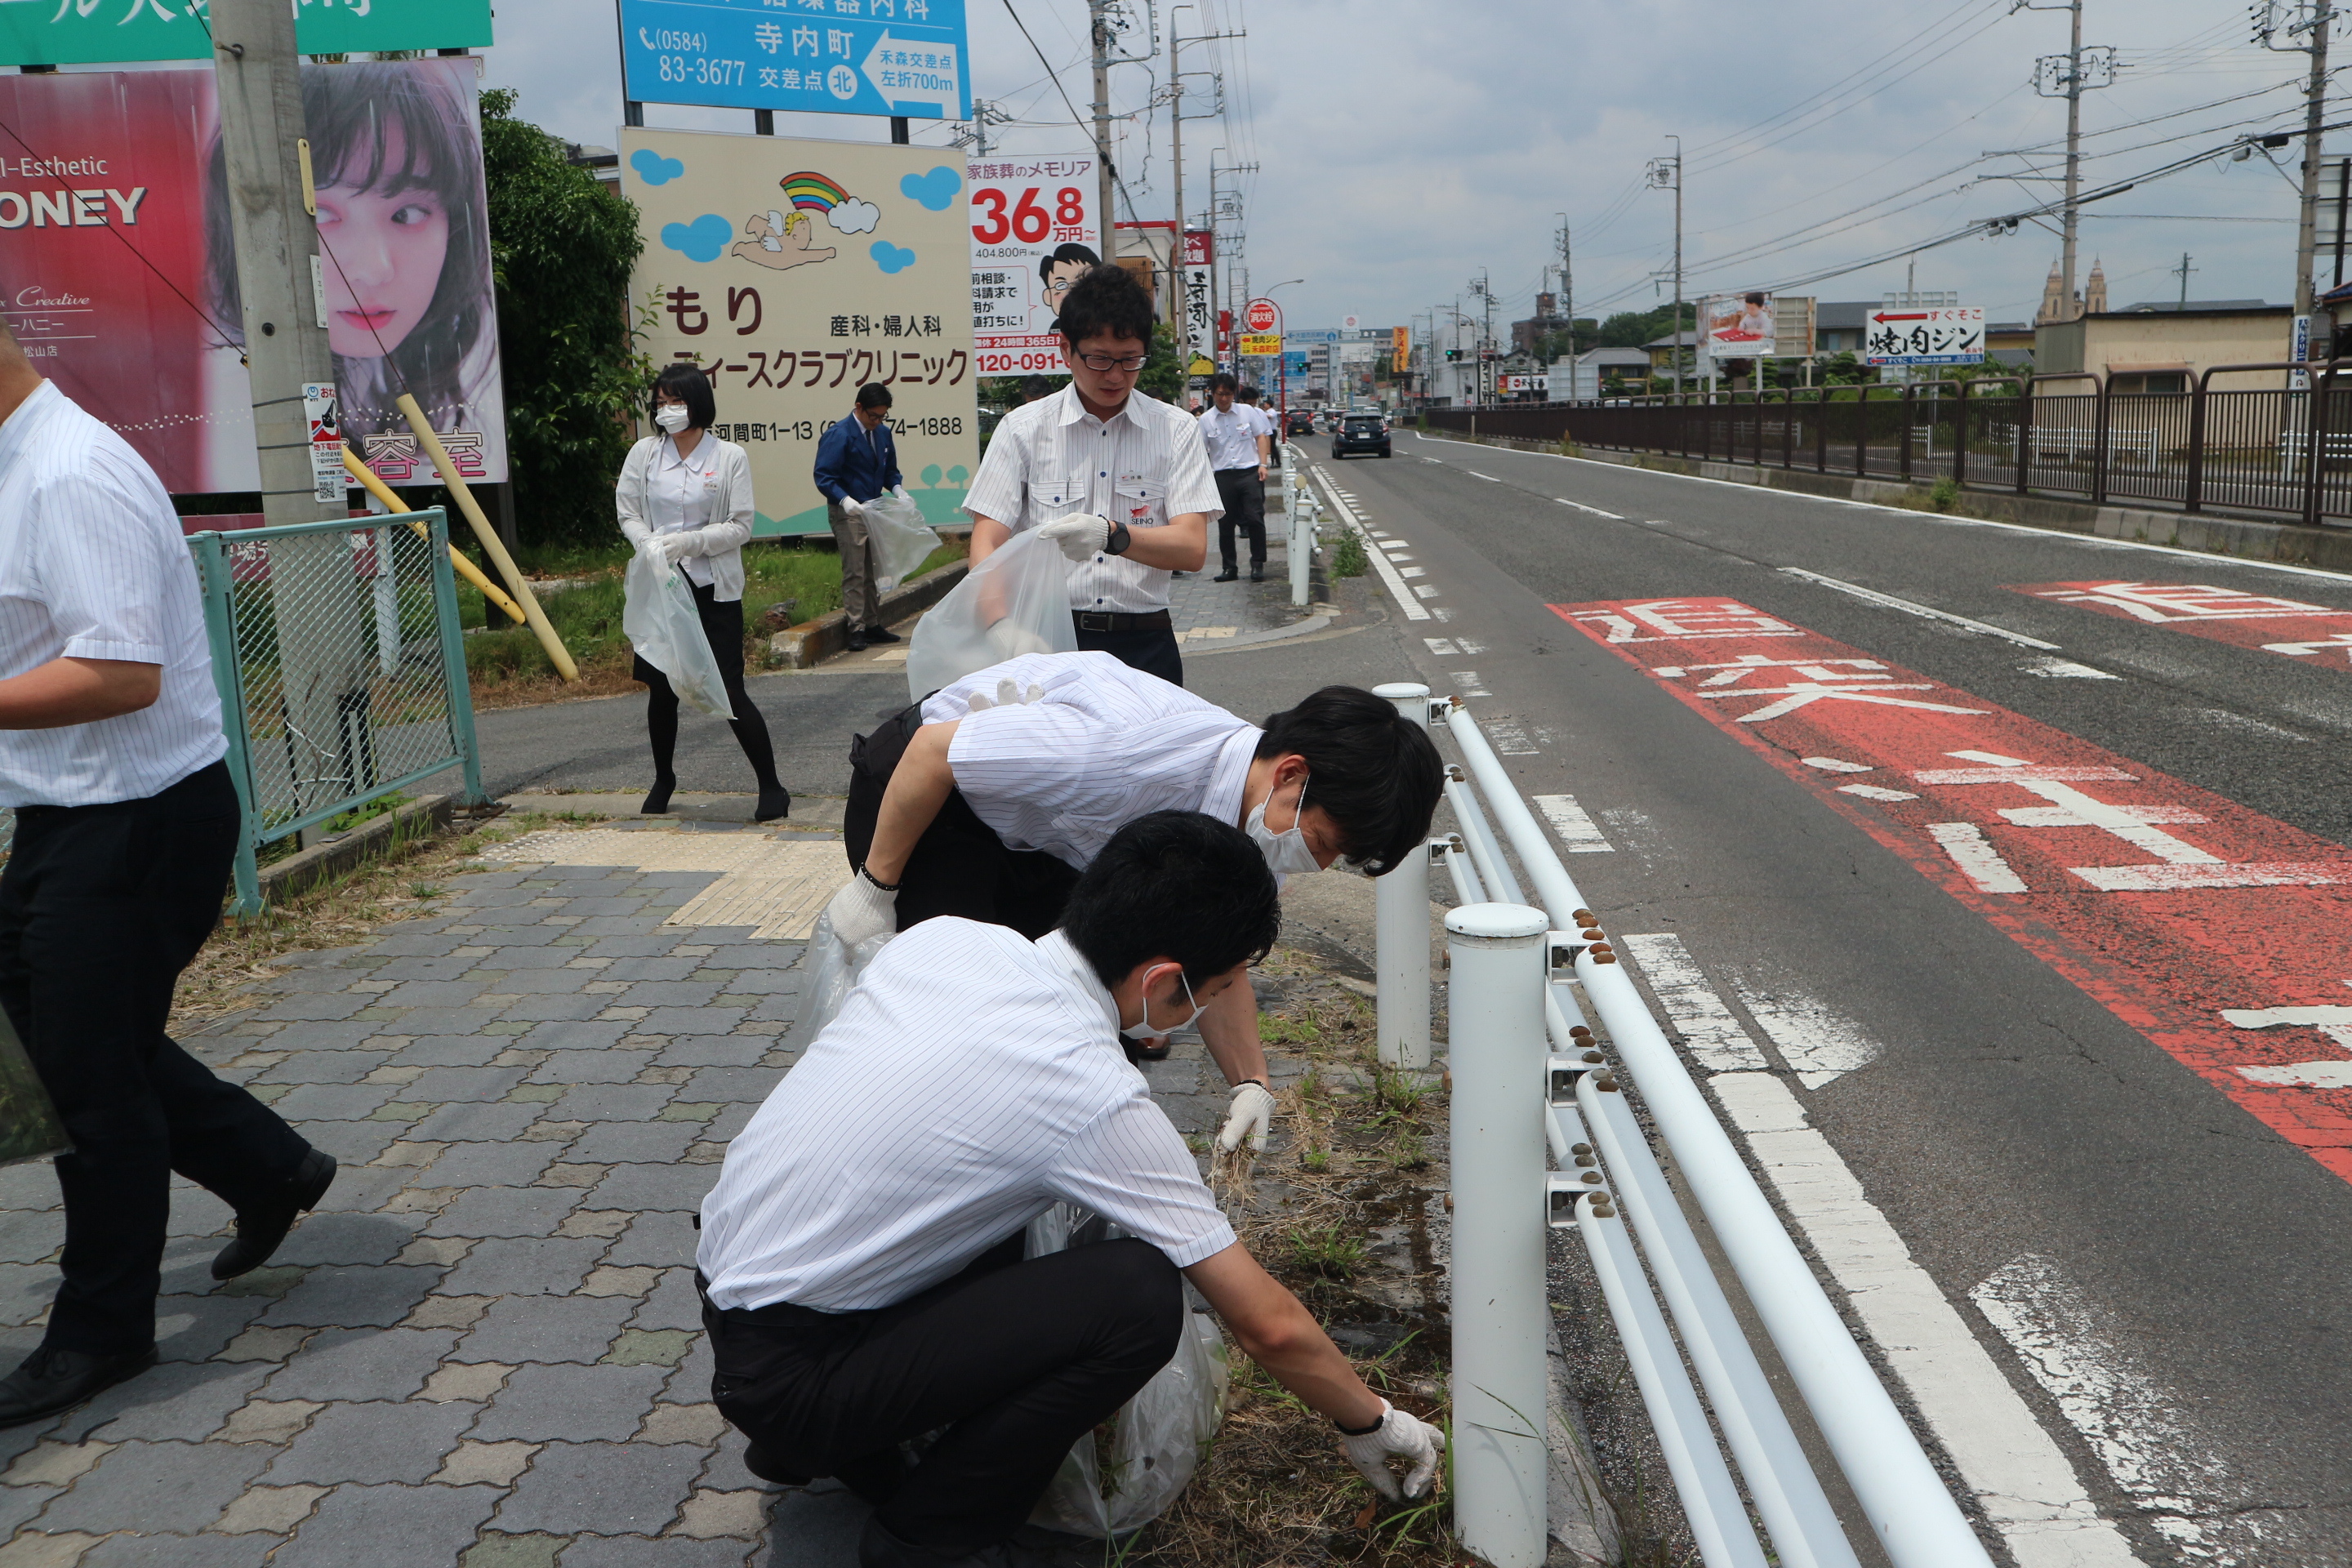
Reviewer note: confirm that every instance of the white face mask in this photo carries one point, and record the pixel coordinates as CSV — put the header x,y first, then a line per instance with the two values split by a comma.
x,y
1183,1023
1286,853
671,416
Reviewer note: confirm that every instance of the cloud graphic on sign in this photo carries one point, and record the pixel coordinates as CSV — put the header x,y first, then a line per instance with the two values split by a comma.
x,y
652,168
935,190
891,257
854,217
702,240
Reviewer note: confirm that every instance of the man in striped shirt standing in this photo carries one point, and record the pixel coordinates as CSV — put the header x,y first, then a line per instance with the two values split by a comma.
x,y
1119,480
861,1257
111,752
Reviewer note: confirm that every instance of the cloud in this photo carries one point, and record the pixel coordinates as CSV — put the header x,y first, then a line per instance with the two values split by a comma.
x,y
934,190
890,258
704,239
652,168
854,217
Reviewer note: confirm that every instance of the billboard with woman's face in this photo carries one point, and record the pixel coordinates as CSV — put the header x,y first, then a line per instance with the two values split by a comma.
x,y
145,326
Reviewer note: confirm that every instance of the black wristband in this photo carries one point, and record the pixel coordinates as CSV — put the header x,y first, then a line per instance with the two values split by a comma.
x,y
1362,1431
1120,538
877,882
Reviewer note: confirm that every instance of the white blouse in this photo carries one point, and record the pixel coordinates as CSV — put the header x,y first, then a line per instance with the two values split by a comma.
x,y
707,494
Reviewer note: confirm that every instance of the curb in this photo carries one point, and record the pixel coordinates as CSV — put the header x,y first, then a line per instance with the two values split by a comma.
x,y
306,869
811,643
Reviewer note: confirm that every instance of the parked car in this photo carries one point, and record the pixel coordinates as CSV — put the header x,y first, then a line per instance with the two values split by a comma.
x,y
1360,433
1301,423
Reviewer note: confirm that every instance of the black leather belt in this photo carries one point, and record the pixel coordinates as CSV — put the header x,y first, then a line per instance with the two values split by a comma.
x,y
1121,621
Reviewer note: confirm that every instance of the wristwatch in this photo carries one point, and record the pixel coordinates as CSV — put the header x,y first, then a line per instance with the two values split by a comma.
x,y
1118,541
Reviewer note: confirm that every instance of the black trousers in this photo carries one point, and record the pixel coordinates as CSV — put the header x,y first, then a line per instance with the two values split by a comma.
x,y
1015,1359
959,866
1244,494
1152,651
722,628
101,908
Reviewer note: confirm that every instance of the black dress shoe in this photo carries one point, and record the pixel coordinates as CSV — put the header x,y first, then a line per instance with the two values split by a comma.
x,y
260,1229
53,1380
768,1469
1227,576
1256,576
774,803
882,633
858,642
657,797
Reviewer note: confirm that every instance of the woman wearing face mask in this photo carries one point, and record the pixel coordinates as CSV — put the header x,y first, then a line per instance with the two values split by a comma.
x,y
685,500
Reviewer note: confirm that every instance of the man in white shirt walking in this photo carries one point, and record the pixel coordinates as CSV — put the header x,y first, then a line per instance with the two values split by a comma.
x,y
1120,480
861,1256
1239,442
127,821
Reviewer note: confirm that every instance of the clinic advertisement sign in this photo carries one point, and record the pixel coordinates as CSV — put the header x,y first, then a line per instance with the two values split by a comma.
x,y
156,353
93,32
905,58
794,272
1034,232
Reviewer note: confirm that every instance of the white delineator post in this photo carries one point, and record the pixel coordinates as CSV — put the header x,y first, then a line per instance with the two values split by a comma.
x,y
1495,1024
1301,522
1401,927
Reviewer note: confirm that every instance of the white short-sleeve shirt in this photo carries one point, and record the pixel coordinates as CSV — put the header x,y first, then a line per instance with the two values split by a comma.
x,y
1141,467
882,1166
1231,437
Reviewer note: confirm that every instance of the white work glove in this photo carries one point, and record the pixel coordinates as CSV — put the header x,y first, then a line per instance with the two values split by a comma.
x,y
862,910
1400,1436
1011,640
1081,534
901,493
1251,1116
1008,695
852,505
677,547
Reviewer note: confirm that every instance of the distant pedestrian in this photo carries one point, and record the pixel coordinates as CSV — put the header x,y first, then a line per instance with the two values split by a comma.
x,y
1239,442
127,821
855,463
684,500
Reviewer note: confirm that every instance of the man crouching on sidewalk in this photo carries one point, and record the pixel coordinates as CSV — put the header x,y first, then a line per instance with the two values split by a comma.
x,y
861,1256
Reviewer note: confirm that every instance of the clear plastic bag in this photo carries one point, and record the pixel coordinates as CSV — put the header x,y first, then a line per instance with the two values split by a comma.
x,y
1123,1474
659,618
835,968
1015,602
29,1125
902,541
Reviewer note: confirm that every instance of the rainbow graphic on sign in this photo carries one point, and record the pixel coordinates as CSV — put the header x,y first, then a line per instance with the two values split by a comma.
x,y
812,192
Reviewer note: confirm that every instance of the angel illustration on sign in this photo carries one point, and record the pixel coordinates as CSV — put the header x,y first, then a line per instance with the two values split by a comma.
x,y
778,241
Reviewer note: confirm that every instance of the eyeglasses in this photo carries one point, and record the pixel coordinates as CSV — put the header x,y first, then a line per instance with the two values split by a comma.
x,y
1109,362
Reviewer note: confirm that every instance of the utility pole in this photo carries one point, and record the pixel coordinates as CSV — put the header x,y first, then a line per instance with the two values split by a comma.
x,y
2184,270
1568,304
1176,118
2069,76
1666,174
1099,19
2317,16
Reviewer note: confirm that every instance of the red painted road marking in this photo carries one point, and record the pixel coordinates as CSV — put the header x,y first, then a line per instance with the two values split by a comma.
x,y
2222,935
2313,633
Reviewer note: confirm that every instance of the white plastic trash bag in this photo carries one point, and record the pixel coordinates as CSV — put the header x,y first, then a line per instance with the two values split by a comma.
x,y
902,541
659,618
1123,1474
1015,602
834,969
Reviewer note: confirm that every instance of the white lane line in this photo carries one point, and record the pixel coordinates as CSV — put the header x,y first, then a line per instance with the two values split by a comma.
x,y
1424,590
1873,792
1822,1046
1715,1040
1468,684
1441,612
1579,834
1380,558
2022,1479
1832,764
1510,738
1467,646
1926,612
1476,475
1442,647
2065,669
1973,853
1409,571
1613,517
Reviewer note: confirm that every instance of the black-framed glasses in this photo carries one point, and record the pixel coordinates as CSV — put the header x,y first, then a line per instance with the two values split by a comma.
x,y
1112,362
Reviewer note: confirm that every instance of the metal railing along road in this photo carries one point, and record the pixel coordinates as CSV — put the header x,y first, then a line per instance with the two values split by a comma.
x,y
1301,512
341,670
2284,449
1531,1076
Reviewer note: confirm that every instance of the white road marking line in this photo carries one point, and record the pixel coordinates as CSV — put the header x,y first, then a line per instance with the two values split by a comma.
x,y
1714,1036
2020,1478
2065,669
1468,646
1476,475
1832,764
1468,684
1595,510
1441,612
1997,760
1579,834
1818,1045
1509,739
1926,612
1380,559
1396,544
1872,792
1424,590
2304,1075
1410,571
1978,862
1440,646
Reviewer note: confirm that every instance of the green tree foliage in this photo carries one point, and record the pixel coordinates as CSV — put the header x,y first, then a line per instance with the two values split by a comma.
x,y
560,248
1632,329
1163,373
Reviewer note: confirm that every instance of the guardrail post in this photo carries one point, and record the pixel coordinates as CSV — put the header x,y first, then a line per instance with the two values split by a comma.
x,y
1401,927
453,663
1301,519
1960,437
228,680
1495,1022
2193,498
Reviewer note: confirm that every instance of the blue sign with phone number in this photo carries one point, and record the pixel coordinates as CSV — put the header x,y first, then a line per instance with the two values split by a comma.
x,y
904,58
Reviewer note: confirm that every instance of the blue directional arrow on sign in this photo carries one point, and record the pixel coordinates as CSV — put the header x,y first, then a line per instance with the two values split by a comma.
x,y
822,57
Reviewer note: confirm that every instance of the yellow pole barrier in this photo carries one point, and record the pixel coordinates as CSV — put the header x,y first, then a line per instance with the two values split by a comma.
x,y
466,569
491,547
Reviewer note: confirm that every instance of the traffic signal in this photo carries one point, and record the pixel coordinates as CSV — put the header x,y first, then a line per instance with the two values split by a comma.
x,y
1452,353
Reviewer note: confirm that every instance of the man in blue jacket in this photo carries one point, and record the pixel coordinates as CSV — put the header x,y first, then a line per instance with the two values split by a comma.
x,y
855,463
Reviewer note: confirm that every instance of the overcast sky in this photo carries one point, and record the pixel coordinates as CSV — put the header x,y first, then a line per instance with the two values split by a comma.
x,y
1405,147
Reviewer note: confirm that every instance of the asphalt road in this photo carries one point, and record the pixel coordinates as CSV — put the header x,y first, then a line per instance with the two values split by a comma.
x,y
2158,1274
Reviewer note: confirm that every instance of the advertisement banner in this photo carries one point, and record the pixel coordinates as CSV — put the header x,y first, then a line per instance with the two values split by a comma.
x,y
1200,292
1951,335
1034,232
849,57
1400,350
1738,326
1261,345
87,32
874,239
147,335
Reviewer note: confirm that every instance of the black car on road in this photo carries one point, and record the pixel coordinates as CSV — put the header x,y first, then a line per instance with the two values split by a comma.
x,y
1301,423
1360,433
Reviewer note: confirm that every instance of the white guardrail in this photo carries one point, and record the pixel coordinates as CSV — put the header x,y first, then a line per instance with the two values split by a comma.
x,y
1530,1074
1302,509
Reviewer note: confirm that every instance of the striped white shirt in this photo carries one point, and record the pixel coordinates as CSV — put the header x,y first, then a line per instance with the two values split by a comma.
x,y
882,1166
93,565
1105,744
1231,437
1143,466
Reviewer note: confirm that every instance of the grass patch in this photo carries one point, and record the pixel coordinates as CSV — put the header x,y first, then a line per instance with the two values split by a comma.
x,y
1348,559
